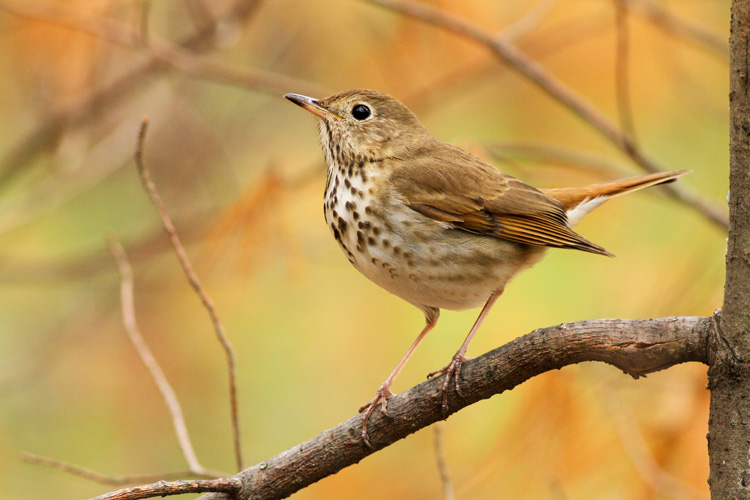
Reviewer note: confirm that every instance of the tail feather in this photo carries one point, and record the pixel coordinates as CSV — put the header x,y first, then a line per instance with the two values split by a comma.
x,y
578,201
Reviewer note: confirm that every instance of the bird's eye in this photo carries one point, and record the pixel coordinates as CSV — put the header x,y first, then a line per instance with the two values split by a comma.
x,y
361,112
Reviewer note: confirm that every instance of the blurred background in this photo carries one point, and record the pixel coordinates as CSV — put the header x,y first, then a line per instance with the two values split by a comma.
x,y
241,173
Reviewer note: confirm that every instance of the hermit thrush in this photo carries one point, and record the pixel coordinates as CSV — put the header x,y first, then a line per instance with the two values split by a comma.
x,y
433,224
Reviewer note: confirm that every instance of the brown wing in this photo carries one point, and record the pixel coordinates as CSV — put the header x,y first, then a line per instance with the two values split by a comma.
x,y
452,186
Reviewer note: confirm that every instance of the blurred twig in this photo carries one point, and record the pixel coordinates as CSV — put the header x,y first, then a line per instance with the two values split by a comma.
x,y
200,13
143,11
230,486
445,478
684,29
556,89
622,69
97,477
76,115
649,469
530,21
162,51
547,153
196,284
168,394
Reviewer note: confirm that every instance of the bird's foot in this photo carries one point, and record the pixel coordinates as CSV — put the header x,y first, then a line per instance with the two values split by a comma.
x,y
452,371
382,397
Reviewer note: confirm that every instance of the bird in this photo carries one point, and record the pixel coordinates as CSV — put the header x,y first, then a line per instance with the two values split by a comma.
x,y
433,224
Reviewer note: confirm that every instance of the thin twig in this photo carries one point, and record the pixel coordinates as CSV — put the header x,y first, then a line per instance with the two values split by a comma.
x,y
187,267
622,69
661,481
131,327
144,10
200,14
530,20
544,80
445,477
685,29
98,477
231,486
547,153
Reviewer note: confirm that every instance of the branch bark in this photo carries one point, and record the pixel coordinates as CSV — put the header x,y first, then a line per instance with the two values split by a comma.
x,y
729,373
637,347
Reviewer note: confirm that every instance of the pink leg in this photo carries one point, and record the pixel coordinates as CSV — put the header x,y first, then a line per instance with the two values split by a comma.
x,y
453,369
384,393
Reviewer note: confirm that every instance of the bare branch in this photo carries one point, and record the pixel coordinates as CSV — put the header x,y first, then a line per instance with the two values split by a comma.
x,y
530,20
98,477
644,462
637,347
168,394
544,80
230,486
682,28
143,28
187,267
162,51
445,478
547,153
76,115
622,68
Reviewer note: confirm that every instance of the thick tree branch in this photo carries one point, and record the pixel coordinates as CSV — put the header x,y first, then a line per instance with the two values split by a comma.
x,y
637,347
729,354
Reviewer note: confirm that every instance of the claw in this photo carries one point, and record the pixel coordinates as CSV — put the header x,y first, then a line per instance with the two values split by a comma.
x,y
382,397
452,371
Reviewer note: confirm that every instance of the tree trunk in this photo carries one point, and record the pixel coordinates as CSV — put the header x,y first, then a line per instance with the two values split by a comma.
x,y
729,346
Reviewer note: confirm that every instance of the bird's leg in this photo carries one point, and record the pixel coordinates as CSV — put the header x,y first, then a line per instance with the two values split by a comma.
x,y
453,369
384,393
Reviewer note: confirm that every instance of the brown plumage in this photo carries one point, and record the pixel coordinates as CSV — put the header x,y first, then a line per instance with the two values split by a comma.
x,y
432,223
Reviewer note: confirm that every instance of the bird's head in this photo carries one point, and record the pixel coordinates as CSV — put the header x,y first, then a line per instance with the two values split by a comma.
x,y
363,123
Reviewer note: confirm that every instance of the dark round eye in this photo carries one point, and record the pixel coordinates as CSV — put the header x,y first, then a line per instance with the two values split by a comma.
x,y
361,112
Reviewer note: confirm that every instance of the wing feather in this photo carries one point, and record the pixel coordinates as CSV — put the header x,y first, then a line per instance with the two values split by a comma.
x,y
459,189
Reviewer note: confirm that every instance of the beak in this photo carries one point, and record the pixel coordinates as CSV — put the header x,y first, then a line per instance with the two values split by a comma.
x,y
312,105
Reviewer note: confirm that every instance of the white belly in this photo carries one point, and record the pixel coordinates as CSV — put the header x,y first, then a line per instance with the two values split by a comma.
x,y
426,263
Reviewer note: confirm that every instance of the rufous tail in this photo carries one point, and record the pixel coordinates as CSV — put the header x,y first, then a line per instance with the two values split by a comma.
x,y
572,197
